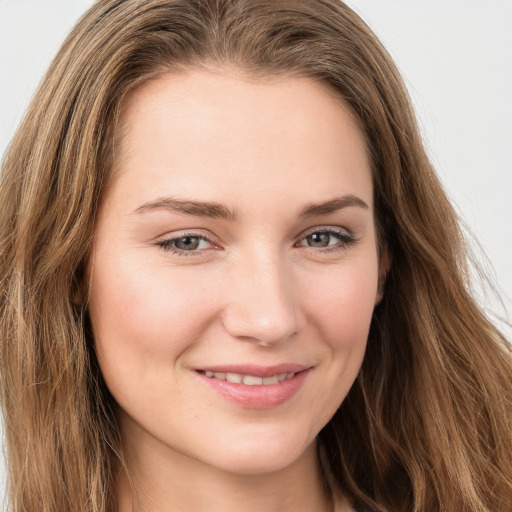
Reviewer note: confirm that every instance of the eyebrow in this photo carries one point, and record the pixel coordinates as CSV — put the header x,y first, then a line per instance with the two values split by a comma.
x,y
332,206
196,208
220,211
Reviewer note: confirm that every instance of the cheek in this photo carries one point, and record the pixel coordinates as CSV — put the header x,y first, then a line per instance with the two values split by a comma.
x,y
144,318
342,303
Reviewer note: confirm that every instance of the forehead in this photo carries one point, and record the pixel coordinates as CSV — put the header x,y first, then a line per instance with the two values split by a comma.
x,y
208,128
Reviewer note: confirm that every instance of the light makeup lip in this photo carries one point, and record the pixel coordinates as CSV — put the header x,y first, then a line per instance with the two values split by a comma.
x,y
262,396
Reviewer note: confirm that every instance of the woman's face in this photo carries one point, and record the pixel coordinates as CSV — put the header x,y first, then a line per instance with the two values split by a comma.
x,y
234,270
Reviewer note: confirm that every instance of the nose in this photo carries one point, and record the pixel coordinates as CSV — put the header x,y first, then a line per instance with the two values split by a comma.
x,y
262,304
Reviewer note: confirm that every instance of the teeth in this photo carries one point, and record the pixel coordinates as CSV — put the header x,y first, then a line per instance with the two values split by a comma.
x,y
249,380
234,377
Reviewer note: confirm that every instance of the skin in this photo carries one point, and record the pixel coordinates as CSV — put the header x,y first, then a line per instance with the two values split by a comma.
x,y
255,290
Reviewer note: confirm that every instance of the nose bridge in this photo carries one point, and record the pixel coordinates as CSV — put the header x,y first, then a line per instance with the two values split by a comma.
x,y
262,305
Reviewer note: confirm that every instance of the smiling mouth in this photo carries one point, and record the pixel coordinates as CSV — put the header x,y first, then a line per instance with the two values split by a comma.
x,y
248,380
253,386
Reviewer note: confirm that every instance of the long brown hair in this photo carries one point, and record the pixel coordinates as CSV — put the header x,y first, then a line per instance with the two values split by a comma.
x,y
427,425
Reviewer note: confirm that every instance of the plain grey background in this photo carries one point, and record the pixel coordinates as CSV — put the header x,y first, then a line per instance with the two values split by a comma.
x,y
456,58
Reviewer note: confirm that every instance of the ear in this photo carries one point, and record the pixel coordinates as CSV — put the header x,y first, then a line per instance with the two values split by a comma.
x,y
384,266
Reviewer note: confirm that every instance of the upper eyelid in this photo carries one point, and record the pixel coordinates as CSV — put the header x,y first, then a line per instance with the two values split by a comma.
x,y
200,233
325,229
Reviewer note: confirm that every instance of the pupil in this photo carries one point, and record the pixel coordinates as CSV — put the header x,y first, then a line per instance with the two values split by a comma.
x,y
319,239
187,243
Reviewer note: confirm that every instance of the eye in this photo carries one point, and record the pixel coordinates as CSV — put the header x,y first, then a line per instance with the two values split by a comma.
x,y
186,244
327,239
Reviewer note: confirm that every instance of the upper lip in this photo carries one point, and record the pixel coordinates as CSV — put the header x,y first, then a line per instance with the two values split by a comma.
x,y
256,370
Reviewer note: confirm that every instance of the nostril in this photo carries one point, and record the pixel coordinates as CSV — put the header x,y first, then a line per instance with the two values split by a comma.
x,y
264,329
260,304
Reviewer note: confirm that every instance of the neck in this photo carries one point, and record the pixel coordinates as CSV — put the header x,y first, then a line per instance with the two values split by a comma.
x,y
158,481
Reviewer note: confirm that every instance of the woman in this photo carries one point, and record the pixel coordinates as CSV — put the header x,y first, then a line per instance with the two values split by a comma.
x,y
230,277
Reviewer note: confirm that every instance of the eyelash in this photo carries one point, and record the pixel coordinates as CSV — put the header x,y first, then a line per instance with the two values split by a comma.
x,y
345,239
166,244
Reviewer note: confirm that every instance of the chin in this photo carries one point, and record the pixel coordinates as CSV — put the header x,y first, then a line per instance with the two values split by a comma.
x,y
261,454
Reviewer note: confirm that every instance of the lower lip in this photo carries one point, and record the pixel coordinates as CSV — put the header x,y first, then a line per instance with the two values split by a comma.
x,y
265,396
